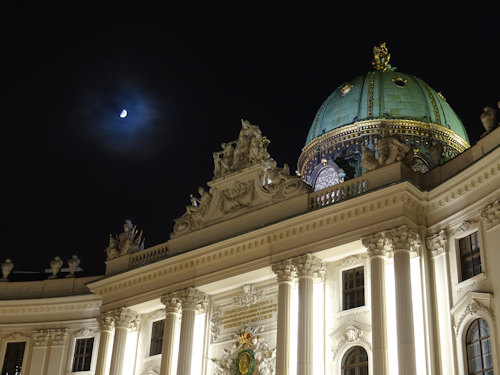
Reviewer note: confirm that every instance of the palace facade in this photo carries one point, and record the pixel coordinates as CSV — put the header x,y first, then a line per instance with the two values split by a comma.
x,y
378,256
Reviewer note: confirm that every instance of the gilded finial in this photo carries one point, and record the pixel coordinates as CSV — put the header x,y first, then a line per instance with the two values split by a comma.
x,y
381,57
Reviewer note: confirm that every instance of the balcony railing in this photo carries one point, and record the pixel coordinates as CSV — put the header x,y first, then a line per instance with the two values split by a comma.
x,y
337,193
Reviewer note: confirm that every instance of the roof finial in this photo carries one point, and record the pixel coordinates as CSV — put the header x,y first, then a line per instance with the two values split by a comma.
x,y
381,57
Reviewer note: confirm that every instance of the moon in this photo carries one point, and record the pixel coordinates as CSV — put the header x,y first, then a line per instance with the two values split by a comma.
x,y
123,113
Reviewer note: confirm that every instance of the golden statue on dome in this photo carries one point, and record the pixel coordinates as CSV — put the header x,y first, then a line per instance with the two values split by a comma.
x,y
381,57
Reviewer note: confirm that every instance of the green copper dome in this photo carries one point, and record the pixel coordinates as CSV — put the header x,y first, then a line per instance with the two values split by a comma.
x,y
384,95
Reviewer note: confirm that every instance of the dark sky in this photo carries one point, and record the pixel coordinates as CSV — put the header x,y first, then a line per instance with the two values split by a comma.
x,y
72,171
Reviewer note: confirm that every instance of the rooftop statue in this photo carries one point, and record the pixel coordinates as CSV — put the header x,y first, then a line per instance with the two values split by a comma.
x,y
488,119
55,266
73,264
129,241
7,267
250,148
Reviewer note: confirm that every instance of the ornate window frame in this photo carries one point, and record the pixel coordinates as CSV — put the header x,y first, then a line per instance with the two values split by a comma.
x,y
465,229
347,336
15,337
346,264
472,306
84,333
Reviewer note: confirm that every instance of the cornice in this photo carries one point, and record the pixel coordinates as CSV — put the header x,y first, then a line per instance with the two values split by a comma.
x,y
51,305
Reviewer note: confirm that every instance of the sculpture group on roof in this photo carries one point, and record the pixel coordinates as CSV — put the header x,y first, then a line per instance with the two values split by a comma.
x,y
129,241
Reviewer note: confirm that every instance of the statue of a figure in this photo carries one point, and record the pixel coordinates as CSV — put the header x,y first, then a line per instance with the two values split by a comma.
x,y
488,118
73,264
199,205
435,151
55,266
275,175
7,267
248,145
390,149
223,160
368,159
126,242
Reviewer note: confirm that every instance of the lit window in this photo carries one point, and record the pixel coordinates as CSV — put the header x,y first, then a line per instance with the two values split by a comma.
x,y
156,337
479,357
326,178
470,259
355,362
353,288
13,359
83,354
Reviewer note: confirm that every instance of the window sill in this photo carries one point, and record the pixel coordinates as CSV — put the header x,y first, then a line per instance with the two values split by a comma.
x,y
470,281
355,310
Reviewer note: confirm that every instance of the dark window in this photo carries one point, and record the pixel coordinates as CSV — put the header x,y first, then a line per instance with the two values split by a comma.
x,y
83,354
479,359
355,362
156,337
470,259
13,360
353,292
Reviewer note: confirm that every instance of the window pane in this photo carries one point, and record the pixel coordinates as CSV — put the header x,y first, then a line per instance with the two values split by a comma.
x,y
13,359
82,356
156,337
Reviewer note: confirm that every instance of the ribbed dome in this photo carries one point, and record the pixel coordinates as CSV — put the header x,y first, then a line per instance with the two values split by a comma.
x,y
384,95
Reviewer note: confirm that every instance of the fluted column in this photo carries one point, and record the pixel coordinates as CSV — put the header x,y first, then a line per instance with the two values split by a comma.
x,y
286,273
107,325
308,268
193,302
377,246
125,320
173,308
437,245
403,242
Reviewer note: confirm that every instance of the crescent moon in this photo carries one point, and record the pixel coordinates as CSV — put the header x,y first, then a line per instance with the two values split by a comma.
x,y
123,113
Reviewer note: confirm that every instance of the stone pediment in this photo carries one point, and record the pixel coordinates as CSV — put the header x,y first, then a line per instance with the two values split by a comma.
x,y
246,179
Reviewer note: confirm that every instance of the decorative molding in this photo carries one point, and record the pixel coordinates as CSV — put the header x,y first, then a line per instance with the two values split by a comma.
x,y
309,266
285,271
17,335
351,334
56,308
106,321
194,299
41,338
376,245
403,238
172,302
84,332
58,336
349,261
471,310
249,295
464,227
157,314
215,320
491,214
437,243
232,199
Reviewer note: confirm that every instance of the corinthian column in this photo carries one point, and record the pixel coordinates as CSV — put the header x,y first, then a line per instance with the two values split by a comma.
x,y
308,268
437,245
125,319
377,246
173,308
193,302
404,241
107,325
286,273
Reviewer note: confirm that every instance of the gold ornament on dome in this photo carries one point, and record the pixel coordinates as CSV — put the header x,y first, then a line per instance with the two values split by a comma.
x,y
345,89
381,57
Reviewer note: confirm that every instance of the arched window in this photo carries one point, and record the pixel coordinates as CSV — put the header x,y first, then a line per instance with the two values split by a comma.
x,y
355,362
326,178
477,340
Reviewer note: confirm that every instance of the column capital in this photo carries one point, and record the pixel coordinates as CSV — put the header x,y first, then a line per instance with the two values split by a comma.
x,y
193,299
125,318
403,238
106,321
285,270
437,243
41,337
172,302
376,244
58,336
310,266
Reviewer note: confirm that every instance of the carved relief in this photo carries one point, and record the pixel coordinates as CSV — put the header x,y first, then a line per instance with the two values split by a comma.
x,y
239,196
472,308
214,323
437,243
249,295
491,214
351,334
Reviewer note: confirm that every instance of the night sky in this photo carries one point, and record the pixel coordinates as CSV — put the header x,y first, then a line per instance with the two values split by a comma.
x,y
72,170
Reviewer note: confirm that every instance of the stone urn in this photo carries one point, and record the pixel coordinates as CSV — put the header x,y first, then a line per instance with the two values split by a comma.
x,y
55,265
7,267
73,264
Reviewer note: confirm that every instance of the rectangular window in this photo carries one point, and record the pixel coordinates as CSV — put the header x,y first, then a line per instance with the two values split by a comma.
x,y
156,337
13,360
470,259
353,288
83,354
